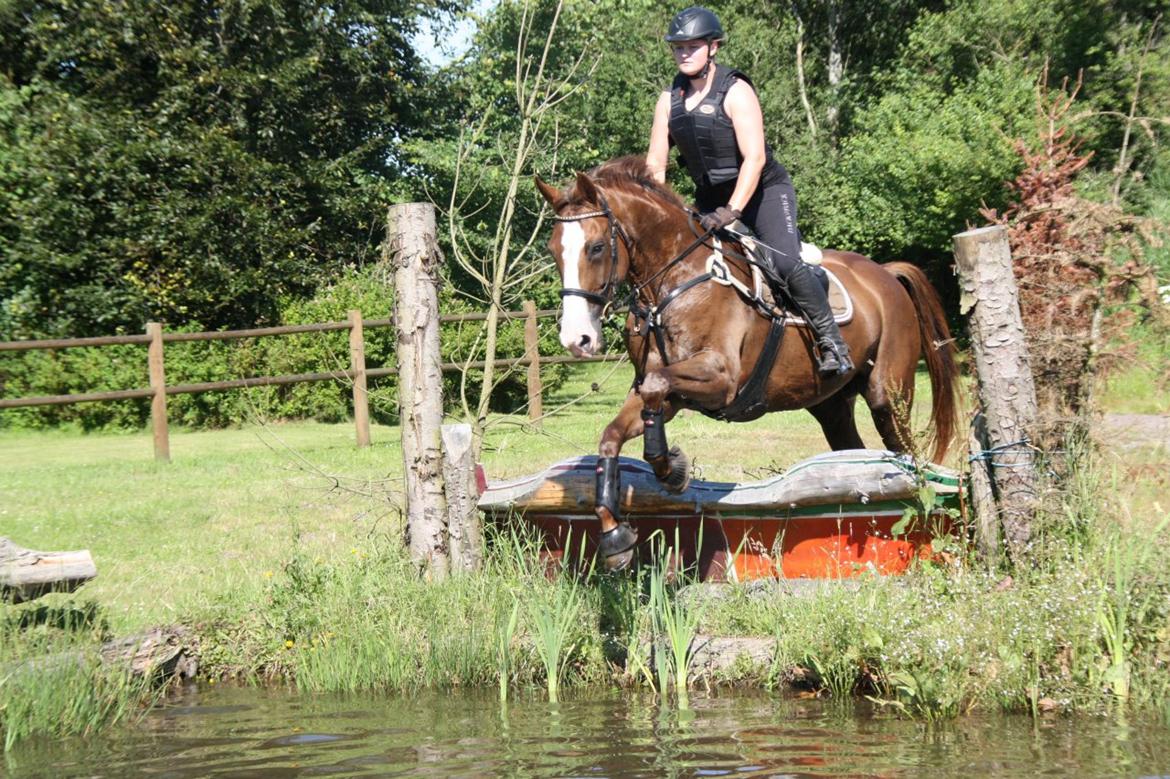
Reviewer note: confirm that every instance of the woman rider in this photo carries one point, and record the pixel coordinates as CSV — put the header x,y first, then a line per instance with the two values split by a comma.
x,y
711,113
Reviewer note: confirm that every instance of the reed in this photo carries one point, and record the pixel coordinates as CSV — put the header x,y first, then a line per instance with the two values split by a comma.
x,y
505,634
553,621
1123,607
674,627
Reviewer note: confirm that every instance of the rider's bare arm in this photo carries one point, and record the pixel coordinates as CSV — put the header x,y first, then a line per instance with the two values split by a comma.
x,y
743,108
657,156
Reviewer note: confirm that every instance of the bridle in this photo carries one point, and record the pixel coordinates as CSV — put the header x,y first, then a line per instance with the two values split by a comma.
x,y
604,297
648,312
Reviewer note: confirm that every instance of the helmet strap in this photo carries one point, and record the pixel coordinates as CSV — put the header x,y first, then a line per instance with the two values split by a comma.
x,y
707,67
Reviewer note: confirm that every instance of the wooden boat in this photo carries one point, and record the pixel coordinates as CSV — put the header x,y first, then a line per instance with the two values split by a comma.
x,y
830,516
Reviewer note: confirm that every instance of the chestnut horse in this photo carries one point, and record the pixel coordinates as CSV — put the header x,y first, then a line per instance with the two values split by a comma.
x,y
694,343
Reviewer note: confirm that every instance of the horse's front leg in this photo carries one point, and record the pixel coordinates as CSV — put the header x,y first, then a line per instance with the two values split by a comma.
x,y
616,545
706,378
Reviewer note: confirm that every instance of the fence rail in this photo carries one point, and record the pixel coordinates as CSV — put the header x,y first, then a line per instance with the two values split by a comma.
x,y
155,338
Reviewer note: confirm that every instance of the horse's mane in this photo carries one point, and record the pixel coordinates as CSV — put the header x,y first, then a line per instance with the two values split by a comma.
x,y
630,173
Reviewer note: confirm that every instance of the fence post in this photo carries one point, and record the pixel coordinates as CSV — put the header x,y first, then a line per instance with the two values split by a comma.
x,y
464,524
532,352
357,365
412,251
1007,394
158,402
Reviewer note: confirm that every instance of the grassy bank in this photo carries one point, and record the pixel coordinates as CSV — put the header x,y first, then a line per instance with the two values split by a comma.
x,y
280,543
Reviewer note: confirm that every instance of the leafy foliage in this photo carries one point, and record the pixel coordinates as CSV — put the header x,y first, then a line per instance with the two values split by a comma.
x,y
193,161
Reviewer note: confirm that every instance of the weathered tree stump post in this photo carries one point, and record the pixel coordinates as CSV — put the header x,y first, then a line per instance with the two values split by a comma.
x,y
26,574
413,252
464,524
1007,394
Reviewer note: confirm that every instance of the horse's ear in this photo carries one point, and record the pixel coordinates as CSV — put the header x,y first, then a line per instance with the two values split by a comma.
x,y
550,193
586,189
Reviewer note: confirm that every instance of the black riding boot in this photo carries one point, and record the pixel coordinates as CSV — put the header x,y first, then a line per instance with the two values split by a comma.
x,y
807,293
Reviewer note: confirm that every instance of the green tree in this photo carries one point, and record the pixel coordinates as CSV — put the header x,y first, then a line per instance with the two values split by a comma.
x,y
195,160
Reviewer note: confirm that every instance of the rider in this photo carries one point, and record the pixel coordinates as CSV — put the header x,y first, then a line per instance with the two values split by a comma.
x,y
711,113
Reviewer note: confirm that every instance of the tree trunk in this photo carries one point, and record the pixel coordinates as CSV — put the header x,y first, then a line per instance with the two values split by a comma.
x,y
26,574
1007,394
414,254
836,70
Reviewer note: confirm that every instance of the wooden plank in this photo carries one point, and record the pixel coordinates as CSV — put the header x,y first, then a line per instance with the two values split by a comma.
x,y
65,400
70,343
26,574
257,381
851,477
256,332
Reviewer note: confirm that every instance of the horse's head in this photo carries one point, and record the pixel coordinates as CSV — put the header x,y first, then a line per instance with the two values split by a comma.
x,y
591,250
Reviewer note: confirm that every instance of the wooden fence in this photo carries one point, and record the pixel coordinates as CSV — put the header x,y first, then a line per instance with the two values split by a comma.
x,y
155,338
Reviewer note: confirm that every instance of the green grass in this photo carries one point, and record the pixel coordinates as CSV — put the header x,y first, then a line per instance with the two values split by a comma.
x,y
281,544
170,539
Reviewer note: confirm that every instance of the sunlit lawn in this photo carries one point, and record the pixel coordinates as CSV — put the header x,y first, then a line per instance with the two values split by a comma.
x,y
169,539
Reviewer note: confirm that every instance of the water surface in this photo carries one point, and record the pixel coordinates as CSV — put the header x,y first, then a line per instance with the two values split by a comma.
x,y
271,734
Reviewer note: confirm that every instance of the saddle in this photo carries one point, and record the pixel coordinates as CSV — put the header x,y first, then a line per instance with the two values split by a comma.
x,y
749,402
760,291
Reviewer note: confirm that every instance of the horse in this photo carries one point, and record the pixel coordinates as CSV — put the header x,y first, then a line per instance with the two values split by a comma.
x,y
696,339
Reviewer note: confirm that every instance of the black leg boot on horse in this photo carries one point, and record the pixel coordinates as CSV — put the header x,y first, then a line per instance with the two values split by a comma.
x,y
615,547
806,292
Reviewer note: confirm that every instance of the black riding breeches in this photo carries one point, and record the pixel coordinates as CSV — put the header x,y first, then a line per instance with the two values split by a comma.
x,y
771,213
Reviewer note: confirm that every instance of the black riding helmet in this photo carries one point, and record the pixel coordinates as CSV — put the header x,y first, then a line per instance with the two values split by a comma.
x,y
692,24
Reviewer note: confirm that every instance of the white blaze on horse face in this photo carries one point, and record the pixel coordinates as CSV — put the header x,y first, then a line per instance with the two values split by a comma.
x,y
580,325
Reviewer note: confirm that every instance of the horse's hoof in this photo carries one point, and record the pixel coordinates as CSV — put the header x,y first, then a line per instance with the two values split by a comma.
x,y
616,543
679,477
620,561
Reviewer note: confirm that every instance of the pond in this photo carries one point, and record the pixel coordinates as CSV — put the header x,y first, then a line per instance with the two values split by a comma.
x,y
270,734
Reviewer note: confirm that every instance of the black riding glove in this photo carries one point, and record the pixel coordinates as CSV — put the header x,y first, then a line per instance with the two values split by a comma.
x,y
720,217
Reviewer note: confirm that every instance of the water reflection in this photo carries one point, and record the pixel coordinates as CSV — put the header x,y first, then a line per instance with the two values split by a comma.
x,y
271,734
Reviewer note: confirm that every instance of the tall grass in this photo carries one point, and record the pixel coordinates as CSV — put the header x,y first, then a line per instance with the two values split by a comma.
x,y
675,625
554,621
53,683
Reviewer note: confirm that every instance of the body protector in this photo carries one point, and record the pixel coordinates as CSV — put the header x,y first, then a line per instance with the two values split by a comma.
x,y
705,136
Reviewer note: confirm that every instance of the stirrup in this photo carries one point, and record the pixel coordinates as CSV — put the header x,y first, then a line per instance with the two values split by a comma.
x,y
833,361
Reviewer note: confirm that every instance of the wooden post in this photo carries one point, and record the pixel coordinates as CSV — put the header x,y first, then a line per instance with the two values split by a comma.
x,y
413,252
1007,394
357,365
532,352
464,524
158,383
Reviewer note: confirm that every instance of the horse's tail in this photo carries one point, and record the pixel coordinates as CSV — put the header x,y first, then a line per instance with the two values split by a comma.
x,y
939,350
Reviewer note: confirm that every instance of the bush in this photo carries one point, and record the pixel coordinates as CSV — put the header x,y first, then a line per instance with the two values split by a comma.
x,y
97,369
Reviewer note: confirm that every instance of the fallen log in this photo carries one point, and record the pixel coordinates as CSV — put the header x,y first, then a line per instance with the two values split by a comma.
x,y
26,574
160,655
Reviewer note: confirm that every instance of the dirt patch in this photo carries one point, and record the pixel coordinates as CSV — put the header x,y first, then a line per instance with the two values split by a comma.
x,y
1132,431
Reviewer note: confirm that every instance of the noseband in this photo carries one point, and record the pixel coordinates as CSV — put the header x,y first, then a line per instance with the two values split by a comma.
x,y
604,297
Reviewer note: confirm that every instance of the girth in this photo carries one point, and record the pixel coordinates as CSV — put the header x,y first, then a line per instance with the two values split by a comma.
x,y
749,402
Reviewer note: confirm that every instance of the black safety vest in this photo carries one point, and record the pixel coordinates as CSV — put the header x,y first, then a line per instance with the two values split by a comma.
x,y
704,135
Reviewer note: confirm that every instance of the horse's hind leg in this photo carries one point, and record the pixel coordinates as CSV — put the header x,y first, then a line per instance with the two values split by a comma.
x,y
837,422
889,397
